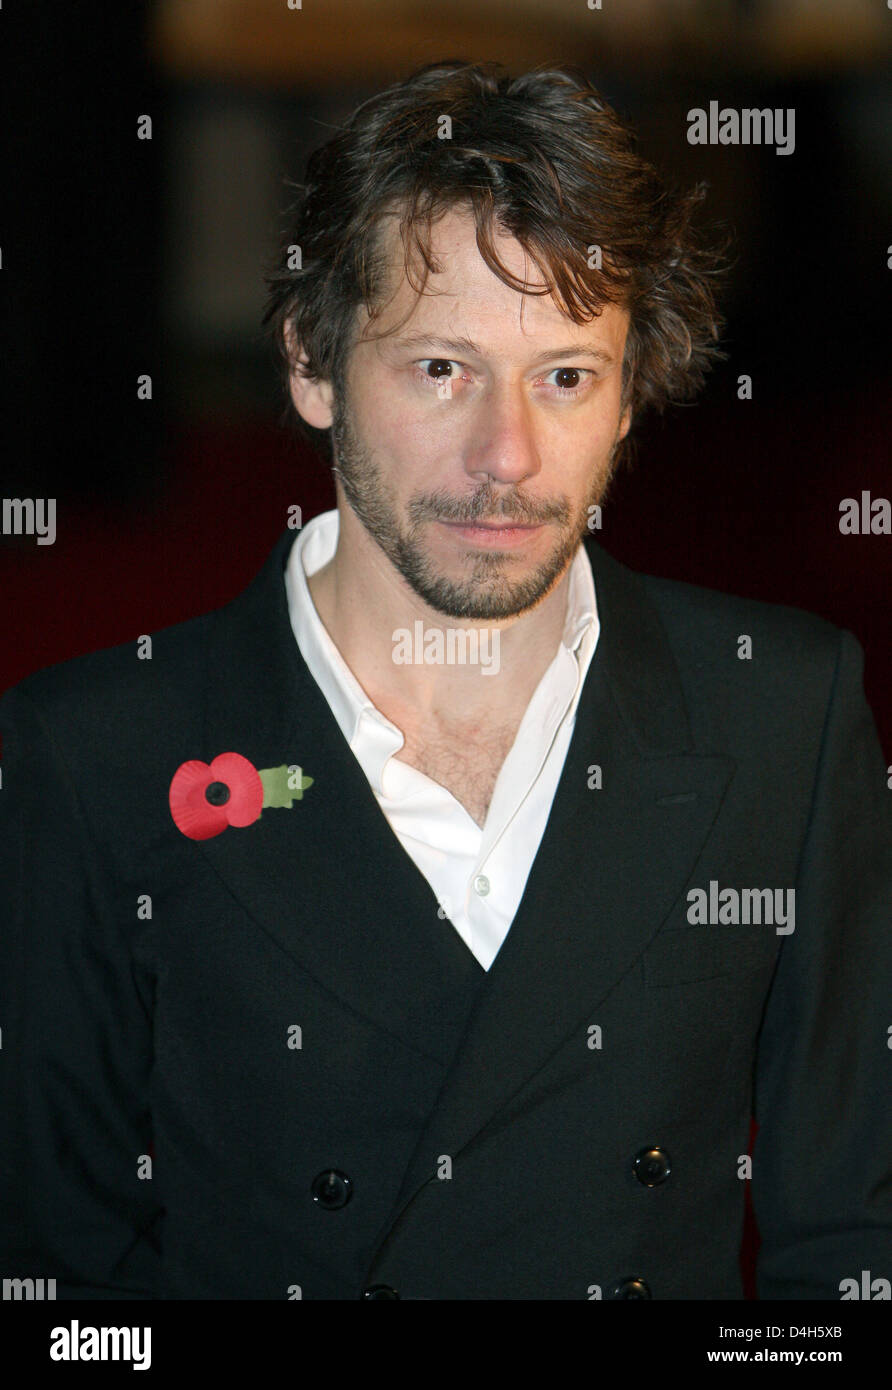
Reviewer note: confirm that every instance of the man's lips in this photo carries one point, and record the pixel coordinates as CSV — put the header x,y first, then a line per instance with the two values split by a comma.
x,y
495,525
500,533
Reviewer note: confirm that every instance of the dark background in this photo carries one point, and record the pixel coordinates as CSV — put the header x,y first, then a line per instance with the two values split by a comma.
x,y
123,256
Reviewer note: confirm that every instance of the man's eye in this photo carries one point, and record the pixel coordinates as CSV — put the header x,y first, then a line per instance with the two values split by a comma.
x,y
436,362
573,387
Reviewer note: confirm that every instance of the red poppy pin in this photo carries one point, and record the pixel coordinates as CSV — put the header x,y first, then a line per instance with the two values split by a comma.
x,y
205,798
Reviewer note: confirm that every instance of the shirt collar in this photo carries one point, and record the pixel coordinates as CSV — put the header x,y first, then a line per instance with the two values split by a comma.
x,y
313,547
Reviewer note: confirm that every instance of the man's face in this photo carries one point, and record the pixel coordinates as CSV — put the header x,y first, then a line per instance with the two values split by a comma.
x,y
457,425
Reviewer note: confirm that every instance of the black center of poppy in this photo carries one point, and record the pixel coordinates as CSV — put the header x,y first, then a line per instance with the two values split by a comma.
x,y
217,794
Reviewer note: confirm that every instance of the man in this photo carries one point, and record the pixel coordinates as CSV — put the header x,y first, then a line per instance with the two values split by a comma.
x,y
429,921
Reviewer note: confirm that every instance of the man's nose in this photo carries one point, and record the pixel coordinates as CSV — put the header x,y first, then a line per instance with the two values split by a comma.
x,y
503,445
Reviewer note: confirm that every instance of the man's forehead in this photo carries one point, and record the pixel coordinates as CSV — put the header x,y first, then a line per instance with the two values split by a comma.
x,y
465,305
452,239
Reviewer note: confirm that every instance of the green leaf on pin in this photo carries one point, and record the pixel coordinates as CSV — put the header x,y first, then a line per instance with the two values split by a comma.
x,y
282,785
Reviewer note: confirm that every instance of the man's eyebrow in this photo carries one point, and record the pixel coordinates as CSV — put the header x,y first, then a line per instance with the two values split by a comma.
x,y
468,345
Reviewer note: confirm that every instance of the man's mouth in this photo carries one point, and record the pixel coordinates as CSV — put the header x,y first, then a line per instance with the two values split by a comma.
x,y
495,525
502,532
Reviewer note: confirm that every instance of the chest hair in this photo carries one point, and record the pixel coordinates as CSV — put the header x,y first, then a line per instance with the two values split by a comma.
x,y
466,763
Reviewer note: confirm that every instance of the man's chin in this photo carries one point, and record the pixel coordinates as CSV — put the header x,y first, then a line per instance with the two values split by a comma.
x,y
478,612
485,600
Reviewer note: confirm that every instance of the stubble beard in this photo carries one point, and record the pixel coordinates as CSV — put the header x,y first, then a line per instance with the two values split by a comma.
x,y
487,592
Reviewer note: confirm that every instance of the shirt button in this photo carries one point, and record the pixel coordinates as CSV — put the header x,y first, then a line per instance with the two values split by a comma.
x,y
481,885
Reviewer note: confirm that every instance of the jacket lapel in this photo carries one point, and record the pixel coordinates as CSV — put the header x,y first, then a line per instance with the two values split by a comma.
x,y
327,878
609,867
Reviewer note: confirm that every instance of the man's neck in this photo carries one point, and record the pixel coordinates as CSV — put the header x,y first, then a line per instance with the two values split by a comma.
x,y
362,601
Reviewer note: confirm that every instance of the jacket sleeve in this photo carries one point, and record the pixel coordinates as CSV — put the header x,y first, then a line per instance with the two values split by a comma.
x,y
822,1161
76,1039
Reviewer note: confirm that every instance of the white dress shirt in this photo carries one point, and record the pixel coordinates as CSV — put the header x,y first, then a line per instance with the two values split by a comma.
x,y
477,874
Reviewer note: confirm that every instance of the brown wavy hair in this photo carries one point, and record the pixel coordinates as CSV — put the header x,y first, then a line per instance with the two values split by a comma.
x,y
544,158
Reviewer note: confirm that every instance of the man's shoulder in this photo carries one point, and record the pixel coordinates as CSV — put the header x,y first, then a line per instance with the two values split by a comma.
x,y
753,670
122,677
705,611
700,622
750,663
157,675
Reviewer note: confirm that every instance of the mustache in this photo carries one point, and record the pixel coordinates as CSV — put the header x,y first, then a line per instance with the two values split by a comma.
x,y
485,508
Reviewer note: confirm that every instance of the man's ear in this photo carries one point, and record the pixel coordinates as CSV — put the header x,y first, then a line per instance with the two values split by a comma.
x,y
313,400
625,422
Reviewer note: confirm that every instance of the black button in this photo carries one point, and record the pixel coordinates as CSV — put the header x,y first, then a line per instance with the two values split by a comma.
x,y
652,1166
217,794
379,1291
332,1189
633,1287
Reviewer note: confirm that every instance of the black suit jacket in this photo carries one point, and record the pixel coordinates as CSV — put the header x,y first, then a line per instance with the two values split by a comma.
x,y
572,1124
